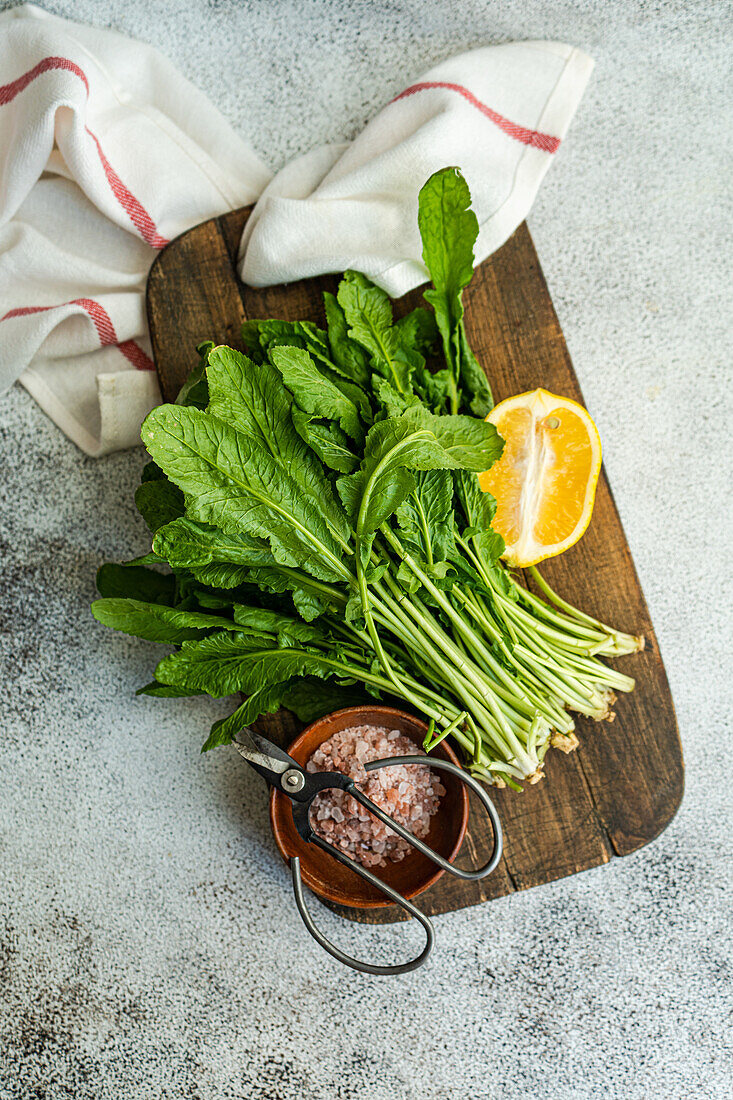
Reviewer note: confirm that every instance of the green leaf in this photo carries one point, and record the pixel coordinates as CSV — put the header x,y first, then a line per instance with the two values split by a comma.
x,y
264,701
249,396
313,391
286,629
472,444
435,389
221,574
307,601
376,572
394,448
165,691
195,390
136,582
144,559
260,333
354,611
393,403
158,502
213,601
253,399
151,472
441,571
407,578
473,377
155,622
348,357
331,377
449,228
425,518
184,544
251,339
368,313
353,393
443,575
226,663
262,336
418,330
419,440
479,508
232,481
327,440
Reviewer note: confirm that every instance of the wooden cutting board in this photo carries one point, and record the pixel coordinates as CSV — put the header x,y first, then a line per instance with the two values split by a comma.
x,y
624,784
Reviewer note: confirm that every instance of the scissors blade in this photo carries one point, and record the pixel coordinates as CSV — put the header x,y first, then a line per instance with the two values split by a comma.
x,y
270,761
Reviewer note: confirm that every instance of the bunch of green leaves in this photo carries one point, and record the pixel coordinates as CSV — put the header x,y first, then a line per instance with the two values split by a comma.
x,y
316,506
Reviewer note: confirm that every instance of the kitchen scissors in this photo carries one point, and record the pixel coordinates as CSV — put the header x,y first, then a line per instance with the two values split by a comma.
x,y
284,773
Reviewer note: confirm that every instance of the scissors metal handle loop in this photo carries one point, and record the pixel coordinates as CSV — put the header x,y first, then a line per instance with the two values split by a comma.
x,y
473,784
393,895
284,774
471,876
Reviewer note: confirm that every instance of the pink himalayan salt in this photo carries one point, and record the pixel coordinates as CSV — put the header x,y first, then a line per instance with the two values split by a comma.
x,y
409,793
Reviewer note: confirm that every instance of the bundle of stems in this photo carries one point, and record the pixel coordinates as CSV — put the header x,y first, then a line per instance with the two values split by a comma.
x,y
498,669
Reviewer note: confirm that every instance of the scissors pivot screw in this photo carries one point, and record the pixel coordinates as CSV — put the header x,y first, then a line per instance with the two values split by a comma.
x,y
293,780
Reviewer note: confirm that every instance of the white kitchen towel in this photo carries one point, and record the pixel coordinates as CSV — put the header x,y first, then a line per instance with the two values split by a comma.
x,y
106,152
499,113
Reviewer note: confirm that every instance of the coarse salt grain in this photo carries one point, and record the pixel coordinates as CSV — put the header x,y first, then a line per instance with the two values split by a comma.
x,y
410,793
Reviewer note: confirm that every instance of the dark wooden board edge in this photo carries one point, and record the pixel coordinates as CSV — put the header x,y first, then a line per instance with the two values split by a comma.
x,y
624,785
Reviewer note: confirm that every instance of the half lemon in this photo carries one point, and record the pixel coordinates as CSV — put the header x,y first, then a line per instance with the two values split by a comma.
x,y
545,481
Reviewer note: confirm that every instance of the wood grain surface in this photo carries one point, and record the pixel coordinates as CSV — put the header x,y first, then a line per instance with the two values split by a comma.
x,y
625,783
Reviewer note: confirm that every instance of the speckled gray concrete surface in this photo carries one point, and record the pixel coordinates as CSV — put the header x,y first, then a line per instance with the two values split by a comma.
x,y
149,948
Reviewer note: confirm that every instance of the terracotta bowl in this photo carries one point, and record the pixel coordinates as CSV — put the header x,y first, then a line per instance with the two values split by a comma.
x,y
415,872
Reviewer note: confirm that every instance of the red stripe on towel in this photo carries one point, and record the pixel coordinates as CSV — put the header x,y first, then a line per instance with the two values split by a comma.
x,y
546,142
139,359
134,209
136,212
10,91
102,323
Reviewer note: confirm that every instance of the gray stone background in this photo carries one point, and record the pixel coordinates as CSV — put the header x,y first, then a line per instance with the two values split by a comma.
x,y
150,948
